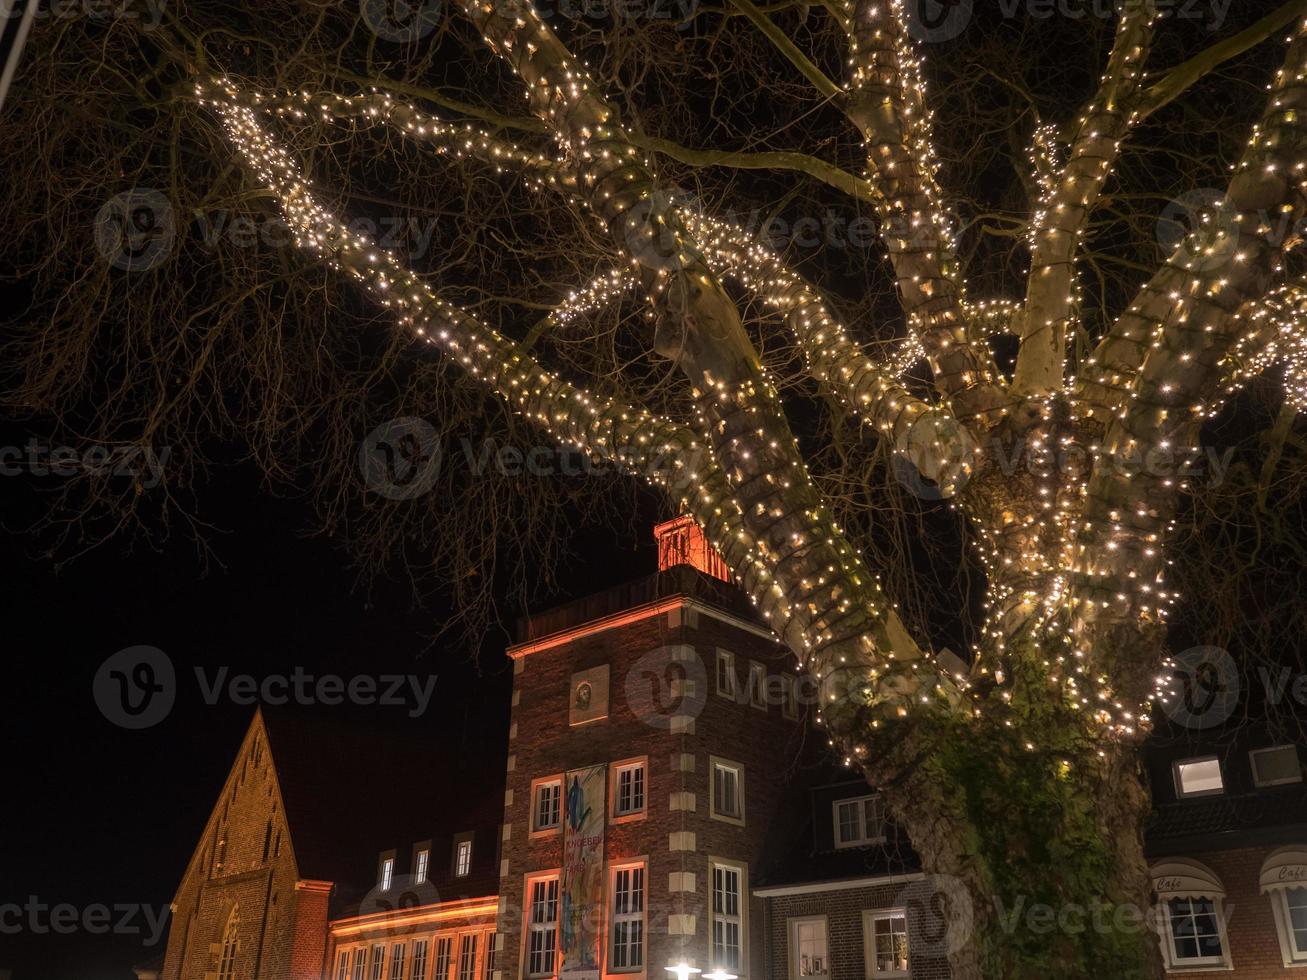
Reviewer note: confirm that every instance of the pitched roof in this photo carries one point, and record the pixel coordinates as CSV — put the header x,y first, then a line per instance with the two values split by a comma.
x,y
353,789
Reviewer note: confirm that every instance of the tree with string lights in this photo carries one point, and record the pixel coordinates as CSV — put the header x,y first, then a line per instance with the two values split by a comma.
x,y
762,394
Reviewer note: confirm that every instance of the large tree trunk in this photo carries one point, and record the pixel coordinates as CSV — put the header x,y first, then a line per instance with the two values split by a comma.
x,y
1034,856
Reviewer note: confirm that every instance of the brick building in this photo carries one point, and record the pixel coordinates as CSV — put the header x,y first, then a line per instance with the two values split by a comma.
x,y
665,811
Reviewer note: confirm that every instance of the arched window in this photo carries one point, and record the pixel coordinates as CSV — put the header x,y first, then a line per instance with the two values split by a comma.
x,y
1284,879
1191,899
227,956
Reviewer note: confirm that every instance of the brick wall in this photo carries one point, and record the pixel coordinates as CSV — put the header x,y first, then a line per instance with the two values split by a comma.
x,y
1250,924
677,727
843,910
281,929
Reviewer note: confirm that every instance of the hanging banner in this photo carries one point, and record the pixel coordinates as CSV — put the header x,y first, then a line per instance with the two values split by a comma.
x,y
582,887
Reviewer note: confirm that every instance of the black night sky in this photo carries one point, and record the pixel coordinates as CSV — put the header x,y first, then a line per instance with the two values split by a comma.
x,y
99,814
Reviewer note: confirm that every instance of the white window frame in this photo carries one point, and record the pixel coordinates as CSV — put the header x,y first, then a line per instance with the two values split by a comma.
x,y
1180,793
741,918
869,919
387,873
377,962
1252,764
444,949
792,939
360,963
641,916
714,810
757,685
398,960
462,856
862,802
342,965
1197,964
789,698
472,970
547,925
731,688
417,969
616,770
546,830
422,865
1292,953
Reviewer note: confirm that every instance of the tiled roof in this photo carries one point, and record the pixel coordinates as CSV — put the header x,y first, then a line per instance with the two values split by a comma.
x,y
1272,808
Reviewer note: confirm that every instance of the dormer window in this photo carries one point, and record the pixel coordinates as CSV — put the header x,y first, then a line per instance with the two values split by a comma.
x,y
858,822
420,864
387,873
1277,766
1199,777
463,856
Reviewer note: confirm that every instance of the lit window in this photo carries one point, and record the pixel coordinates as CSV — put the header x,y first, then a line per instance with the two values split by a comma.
x,y
1195,932
230,943
1199,777
789,698
387,873
727,791
462,858
885,937
360,962
467,957
420,866
757,683
726,674
444,957
542,927
1276,766
809,956
418,971
858,822
627,920
548,805
378,961
727,918
397,956
1293,906
628,789
342,967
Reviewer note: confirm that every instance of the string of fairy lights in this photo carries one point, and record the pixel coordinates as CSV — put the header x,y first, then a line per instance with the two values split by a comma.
x,y
1071,559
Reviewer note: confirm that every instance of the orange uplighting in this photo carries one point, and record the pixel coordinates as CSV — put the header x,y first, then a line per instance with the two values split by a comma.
x,y
466,909
682,542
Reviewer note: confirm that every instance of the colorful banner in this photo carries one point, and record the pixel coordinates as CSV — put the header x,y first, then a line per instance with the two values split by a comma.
x,y
582,887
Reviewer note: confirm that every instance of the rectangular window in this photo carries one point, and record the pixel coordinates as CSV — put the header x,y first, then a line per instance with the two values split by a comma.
x,y
491,955
789,698
757,685
419,969
809,953
542,927
727,791
342,967
387,873
1199,777
467,957
858,822
727,918
444,957
1276,766
628,789
420,866
1295,902
547,810
1195,932
885,937
397,956
627,954
726,674
462,859
378,961
360,962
